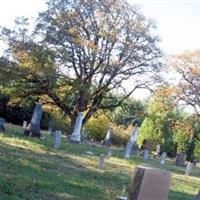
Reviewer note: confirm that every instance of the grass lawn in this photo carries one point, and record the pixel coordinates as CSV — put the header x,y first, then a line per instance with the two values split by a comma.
x,y
31,169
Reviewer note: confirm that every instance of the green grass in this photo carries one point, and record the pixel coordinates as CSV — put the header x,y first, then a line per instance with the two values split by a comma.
x,y
32,169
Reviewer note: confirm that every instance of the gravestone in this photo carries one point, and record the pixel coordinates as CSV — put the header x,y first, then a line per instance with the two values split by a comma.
x,y
107,140
85,136
135,149
109,152
132,140
189,168
2,124
27,130
163,158
180,159
50,131
121,198
145,154
57,139
149,184
76,135
25,123
198,196
102,161
35,121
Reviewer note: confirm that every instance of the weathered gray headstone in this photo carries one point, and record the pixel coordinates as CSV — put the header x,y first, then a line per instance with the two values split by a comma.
x,y
85,135
149,184
189,168
27,130
180,159
35,121
57,139
132,140
145,154
163,158
50,131
109,152
25,123
102,161
2,124
121,198
107,140
76,135
135,149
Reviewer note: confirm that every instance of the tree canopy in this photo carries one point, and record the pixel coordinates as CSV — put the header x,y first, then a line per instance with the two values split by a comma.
x,y
80,52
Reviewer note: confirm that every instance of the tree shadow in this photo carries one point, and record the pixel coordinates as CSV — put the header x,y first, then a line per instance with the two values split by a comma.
x,y
176,195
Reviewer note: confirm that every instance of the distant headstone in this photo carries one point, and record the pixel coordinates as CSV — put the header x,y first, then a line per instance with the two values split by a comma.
x,y
25,123
135,149
76,135
149,184
109,152
189,168
145,154
163,158
35,121
107,140
128,149
132,140
50,131
85,135
180,159
27,130
102,161
198,196
2,124
57,139
121,198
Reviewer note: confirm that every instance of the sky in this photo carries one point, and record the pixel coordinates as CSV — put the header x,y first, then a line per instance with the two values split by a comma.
x,y
178,21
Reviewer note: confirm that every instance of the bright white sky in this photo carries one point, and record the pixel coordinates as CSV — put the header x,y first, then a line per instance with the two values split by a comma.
x,y
178,21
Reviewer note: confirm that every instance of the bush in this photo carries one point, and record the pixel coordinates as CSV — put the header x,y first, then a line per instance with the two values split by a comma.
x,y
98,126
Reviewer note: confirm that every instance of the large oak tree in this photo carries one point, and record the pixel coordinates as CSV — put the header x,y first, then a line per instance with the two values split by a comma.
x,y
80,52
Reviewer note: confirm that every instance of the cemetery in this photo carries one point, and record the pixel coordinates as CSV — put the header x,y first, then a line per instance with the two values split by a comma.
x,y
94,105
34,168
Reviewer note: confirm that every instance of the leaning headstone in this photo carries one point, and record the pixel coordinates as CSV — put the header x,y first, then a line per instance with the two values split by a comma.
x,y
85,136
35,121
189,168
132,140
76,135
25,123
107,140
149,184
180,159
57,139
2,124
145,154
102,161
163,158
198,196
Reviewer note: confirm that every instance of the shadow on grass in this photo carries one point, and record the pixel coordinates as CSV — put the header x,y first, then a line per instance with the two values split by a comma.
x,y
176,195
30,175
